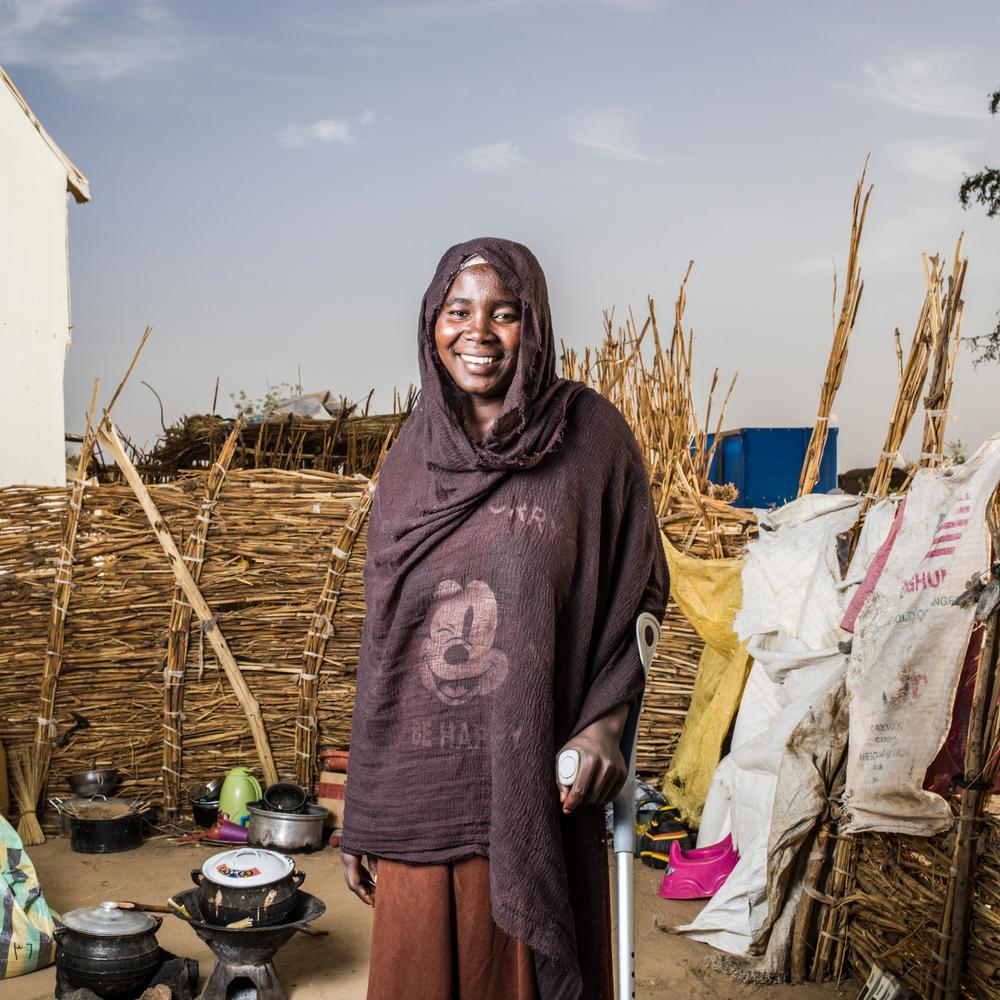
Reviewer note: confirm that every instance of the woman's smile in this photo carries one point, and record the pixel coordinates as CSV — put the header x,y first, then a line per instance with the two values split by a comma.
x,y
478,338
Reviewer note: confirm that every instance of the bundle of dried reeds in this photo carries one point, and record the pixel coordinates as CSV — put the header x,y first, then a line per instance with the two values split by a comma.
x,y
26,770
843,327
349,443
656,398
895,906
982,971
912,375
947,325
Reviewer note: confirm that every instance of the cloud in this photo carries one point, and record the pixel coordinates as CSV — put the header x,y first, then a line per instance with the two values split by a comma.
x,y
72,38
326,130
610,134
935,160
926,86
498,157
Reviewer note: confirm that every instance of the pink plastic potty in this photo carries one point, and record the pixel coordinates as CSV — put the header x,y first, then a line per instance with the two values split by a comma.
x,y
698,874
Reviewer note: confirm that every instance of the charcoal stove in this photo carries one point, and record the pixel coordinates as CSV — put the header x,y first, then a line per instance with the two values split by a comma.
x,y
243,968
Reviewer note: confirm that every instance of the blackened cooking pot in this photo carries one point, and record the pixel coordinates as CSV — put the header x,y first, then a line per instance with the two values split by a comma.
x,y
247,882
106,836
109,951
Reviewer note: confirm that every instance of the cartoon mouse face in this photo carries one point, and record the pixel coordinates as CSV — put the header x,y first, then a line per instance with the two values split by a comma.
x,y
458,661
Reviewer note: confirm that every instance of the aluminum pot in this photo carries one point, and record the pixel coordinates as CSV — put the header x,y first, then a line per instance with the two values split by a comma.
x,y
247,882
96,781
109,951
282,831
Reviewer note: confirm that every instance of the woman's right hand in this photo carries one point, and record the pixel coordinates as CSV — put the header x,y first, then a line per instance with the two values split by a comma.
x,y
359,879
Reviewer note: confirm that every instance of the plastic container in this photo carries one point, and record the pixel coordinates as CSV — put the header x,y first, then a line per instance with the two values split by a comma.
x,y
764,463
239,789
698,874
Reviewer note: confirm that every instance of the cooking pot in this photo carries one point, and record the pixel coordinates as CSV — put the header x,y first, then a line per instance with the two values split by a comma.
x,y
96,781
205,812
247,882
104,827
109,951
284,831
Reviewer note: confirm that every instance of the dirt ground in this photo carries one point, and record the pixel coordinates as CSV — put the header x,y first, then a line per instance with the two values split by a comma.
x,y
335,967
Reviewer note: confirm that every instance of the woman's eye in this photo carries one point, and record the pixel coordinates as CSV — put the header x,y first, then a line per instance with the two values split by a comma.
x,y
508,317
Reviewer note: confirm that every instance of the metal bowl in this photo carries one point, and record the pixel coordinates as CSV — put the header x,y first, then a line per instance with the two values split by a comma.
x,y
285,797
208,792
97,781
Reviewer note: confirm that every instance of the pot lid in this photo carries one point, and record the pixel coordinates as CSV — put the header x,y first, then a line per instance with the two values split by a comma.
x,y
247,868
106,920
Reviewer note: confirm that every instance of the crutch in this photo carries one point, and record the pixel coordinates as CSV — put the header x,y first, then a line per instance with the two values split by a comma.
x,y
647,633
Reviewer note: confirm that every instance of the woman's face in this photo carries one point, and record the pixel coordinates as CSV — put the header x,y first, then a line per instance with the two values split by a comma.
x,y
478,333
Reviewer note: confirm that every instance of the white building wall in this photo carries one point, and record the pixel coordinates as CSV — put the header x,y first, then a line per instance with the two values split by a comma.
x,y
34,302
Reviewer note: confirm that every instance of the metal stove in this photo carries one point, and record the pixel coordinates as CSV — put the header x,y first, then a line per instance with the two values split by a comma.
x,y
243,968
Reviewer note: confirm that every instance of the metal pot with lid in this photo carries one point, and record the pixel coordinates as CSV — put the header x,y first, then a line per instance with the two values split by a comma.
x,y
247,882
110,951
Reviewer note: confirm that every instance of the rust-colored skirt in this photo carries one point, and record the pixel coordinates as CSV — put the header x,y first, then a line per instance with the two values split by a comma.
x,y
434,938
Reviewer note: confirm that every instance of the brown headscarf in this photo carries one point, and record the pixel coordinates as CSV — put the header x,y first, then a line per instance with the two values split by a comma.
x,y
455,472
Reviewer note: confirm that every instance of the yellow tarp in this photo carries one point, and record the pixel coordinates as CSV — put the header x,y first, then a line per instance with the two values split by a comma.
x,y
709,593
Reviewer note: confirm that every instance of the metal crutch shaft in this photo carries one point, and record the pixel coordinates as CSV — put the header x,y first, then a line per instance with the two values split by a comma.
x,y
647,631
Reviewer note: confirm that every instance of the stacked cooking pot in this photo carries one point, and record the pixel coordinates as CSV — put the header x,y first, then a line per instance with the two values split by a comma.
x,y
285,821
114,951
247,883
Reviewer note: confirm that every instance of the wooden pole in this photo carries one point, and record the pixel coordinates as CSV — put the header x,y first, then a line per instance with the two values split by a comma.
x,y
109,436
179,629
970,814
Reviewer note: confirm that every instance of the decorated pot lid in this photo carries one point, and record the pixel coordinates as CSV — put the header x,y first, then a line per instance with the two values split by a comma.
x,y
106,920
247,868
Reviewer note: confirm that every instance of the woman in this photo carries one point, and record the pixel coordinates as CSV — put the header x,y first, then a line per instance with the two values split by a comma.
x,y
511,544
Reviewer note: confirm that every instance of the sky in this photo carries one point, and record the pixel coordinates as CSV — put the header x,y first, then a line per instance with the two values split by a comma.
x,y
273,184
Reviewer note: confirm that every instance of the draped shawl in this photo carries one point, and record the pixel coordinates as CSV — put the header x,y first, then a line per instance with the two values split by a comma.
x,y
502,584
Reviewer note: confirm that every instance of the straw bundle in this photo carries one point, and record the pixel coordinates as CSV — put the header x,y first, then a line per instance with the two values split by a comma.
x,y
843,326
349,443
912,375
26,770
895,907
947,322
982,976
657,400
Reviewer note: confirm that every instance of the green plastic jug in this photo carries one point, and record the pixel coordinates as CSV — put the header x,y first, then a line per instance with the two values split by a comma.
x,y
239,788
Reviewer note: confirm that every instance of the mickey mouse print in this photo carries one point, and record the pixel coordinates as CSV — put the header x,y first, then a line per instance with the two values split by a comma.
x,y
458,661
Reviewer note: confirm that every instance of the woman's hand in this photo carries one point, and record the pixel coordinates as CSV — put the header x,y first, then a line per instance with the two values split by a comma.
x,y
602,770
359,879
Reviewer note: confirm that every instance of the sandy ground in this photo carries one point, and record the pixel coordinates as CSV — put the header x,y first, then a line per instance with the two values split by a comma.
x,y
335,967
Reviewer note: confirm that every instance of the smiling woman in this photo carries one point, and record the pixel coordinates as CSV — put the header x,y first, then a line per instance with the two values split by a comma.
x,y
478,336
512,542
